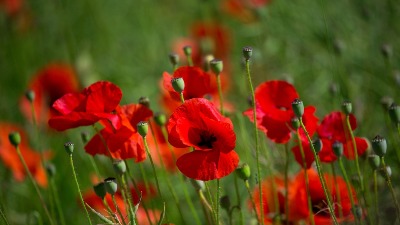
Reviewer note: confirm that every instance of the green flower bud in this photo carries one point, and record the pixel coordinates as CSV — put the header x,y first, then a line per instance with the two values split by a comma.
x,y
394,113
119,167
174,59
85,137
225,202
374,161
347,107
379,145
206,62
298,107
111,185
178,84
187,50
30,95
160,119
216,66
144,101
337,147
50,169
143,128
295,123
247,52
243,172
14,138
100,190
317,143
69,147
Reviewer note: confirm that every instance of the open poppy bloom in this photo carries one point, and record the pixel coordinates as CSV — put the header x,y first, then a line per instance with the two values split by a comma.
x,y
94,103
49,84
274,108
198,124
10,158
123,141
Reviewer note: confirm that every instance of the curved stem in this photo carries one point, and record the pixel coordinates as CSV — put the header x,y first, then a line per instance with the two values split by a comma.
x,y
221,100
57,201
389,183
287,183
320,175
217,202
253,204
118,210
339,200
256,137
4,216
239,200
353,141
346,178
153,167
376,197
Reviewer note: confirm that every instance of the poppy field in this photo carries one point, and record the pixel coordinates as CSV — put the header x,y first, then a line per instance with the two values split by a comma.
x,y
228,112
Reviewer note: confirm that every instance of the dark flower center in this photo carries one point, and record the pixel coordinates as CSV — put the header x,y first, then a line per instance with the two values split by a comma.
x,y
320,207
206,140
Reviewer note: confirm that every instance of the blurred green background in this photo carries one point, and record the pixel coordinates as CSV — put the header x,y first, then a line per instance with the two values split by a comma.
x,y
315,44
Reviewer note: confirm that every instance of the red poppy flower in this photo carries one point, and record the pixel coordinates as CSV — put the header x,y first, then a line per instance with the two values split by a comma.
x,y
86,108
49,84
11,7
274,106
244,10
198,124
123,141
318,200
326,154
10,158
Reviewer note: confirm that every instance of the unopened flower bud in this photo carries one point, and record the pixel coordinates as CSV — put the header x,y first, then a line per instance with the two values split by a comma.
x,y
50,169
295,123
174,59
247,52
374,161
347,107
69,147
225,202
144,101
337,147
30,95
243,172
14,138
357,211
206,62
187,50
317,143
160,119
394,113
119,167
143,128
178,84
388,171
85,137
100,190
298,107
111,185
379,145
216,66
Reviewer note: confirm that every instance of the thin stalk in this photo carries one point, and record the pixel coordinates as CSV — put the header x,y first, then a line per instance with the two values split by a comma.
x,y
320,175
339,201
182,98
303,158
34,185
3,216
376,197
153,167
79,190
389,183
346,179
118,210
57,201
353,140
221,99
287,183
110,212
256,137
239,201
128,197
217,202
211,200
104,219
189,60
96,169
253,204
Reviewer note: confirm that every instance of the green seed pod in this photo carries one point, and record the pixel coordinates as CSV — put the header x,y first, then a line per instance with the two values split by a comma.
x,y
383,172
243,172
347,107
295,123
50,169
298,107
317,143
69,147
225,202
374,161
394,113
144,101
119,167
379,145
100,190
111,185
160,118
337,147
187,50
143,128
247,52
178,84
14,138
174,59
30,95
216,66
85,137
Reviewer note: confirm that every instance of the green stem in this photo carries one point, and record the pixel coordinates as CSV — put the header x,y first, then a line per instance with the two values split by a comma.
x,y
303,158
256,139
339,201
320,175
96,169
57,201
34,185
110,212
389,183
212,202
182,97
189,60
104,219
79,190
253,204
217,204
353,140
346,178
376,197
239,201
4,216
153,167
287,183
221,99
128,197
118,210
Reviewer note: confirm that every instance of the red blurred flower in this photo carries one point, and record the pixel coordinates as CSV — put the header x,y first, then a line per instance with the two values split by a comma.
x,y
49,84
123,141
274,108
94,103
10,158
198,124
11,7
245,10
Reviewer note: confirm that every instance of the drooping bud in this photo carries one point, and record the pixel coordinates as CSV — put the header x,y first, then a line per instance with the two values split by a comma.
x,y
347,107
144,101
30,95
85,137
119,167
69,147
243,172
14,138
174,59
216,66
143,128
225,202
379,145
160,118
374,161
317,143
394,113
50,169
247,52
298,107
111,185
337,147
178,84
295,123
100,190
